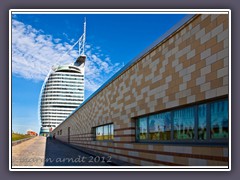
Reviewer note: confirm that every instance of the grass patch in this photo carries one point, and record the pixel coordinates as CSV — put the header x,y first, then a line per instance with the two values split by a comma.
x,y
16,136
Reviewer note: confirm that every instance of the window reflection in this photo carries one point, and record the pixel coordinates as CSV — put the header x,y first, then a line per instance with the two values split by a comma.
x,y
111,131
105,132
219,119
142,128
202,122
184,123
160,126
99,133
211,119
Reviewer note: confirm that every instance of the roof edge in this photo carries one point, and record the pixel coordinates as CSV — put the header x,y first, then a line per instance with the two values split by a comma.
x,y
172,30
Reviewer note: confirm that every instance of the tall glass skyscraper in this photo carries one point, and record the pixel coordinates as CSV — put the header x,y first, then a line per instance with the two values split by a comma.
x,y
63,90
62,93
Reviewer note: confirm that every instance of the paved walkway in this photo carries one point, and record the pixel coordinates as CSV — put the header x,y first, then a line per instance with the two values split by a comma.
x,y
42,151
30,152
59,154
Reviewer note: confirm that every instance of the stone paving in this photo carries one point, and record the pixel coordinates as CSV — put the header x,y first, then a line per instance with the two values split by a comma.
x,y
59,154
42,151
30,152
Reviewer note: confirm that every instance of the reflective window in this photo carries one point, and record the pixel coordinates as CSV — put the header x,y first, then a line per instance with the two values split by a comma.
x,y
111,131
99,133
160,126
142,128
219,119
105,132
184,123
209,121
202,122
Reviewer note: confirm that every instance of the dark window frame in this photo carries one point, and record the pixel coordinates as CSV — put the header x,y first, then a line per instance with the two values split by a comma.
x,y
94,130
195,140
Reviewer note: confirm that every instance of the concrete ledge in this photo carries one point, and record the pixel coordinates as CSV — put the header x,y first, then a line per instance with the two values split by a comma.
x,y
21,140
114,162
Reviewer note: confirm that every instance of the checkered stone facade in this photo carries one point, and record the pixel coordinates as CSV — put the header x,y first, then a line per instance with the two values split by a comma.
x,y
191,65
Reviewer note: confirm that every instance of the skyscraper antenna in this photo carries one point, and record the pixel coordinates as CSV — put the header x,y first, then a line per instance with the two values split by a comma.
x,y
82,39
80,42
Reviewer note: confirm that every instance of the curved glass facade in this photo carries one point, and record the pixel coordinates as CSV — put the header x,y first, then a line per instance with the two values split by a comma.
x,y
62,93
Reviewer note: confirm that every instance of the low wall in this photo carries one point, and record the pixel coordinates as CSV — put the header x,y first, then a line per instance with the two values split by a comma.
x,y
21,140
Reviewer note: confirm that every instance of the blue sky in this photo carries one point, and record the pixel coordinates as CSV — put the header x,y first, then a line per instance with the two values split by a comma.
x,y
39,40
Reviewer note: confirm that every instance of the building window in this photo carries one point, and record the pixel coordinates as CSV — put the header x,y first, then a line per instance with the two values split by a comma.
x,y
160,126
202,122
184,123
104,132
219,120
198,123
142,128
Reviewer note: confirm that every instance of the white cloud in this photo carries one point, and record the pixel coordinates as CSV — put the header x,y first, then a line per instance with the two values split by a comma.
x,y
34,53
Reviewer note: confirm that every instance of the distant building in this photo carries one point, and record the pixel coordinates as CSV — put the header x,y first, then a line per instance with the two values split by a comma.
x,y
31,133
62,92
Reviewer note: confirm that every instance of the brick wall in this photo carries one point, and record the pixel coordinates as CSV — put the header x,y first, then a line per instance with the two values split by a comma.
x,y
190,66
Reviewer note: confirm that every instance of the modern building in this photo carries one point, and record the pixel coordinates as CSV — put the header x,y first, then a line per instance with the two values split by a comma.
x,y
168,106
63,89
31,133
62,93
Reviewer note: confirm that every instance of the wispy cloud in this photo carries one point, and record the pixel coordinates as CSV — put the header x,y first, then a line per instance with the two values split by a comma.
x,y
34,53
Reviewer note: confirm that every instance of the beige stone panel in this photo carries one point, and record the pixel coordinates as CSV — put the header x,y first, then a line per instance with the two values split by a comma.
x,y
182,45
211,76
140,146
171,97
190,40
216,83
160,105
196,74
186,64
195,59
195,44
164,158
212,42
158,147
191,83
200,48
221,18
138,162
210,151
217,47
222,90
147,155
181,160
209,27
196,21
216,163
200,64
195,90
200,96
225,80
171,46
226,24
124,139
183,101
123,158
205,22
197,162
146,163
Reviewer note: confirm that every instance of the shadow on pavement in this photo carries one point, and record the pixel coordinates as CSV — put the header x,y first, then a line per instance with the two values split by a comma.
x,y
60,154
